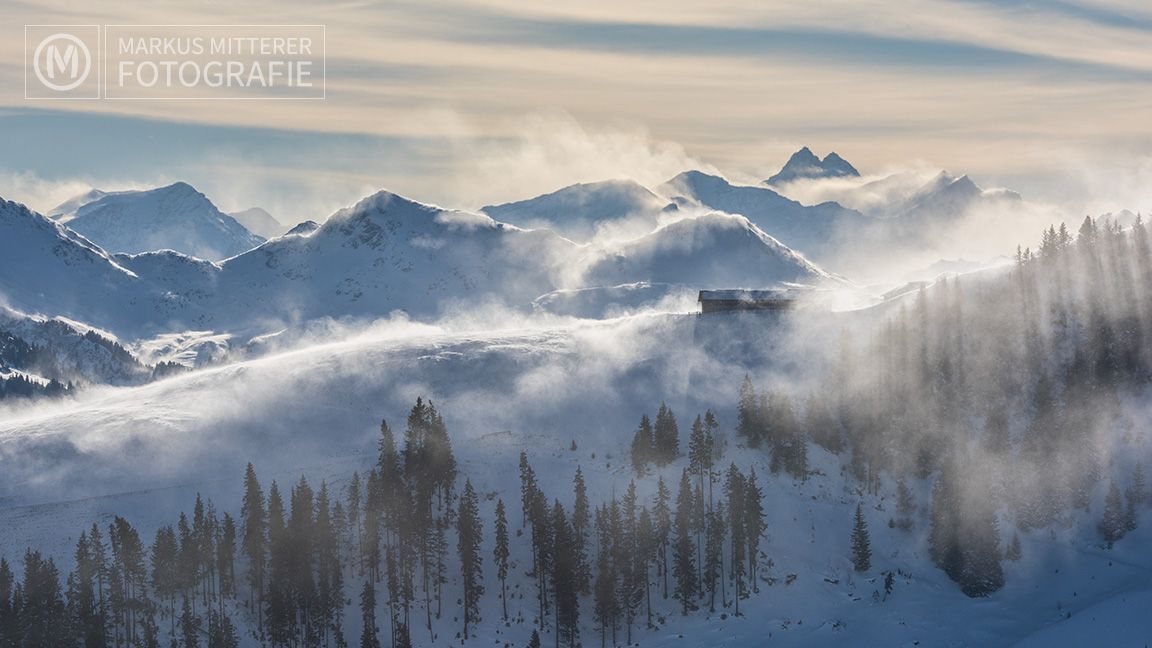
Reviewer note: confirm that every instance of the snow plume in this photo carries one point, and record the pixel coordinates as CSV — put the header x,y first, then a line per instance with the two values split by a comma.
x,y
38,193
323,404
543,151
871,194
917,216
1101,183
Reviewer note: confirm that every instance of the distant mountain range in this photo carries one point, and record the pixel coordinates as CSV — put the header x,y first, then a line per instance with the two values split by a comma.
x,y
140,263
385,253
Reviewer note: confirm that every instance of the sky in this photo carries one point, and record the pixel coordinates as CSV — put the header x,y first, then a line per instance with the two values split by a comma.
x,y
471,103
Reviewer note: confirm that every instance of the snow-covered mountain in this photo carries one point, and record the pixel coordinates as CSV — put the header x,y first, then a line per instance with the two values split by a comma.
x,y
258,221
709,251
804,164
385,253
176,217
578,212
947,197
807,229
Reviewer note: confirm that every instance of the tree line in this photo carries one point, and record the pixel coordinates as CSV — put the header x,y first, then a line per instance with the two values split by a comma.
x,y
287,569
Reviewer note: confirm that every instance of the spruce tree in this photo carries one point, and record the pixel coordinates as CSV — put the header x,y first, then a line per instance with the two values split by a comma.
x,y
581,521
469,536
734,491
861,545
567,616
255,540
165,571
683,567
1112,526
666,436
643,445
662,526
500,556
369,634
754,526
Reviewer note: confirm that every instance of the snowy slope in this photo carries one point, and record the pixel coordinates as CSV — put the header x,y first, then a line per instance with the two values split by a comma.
x,y
147,451
580,211
259,222
175,217
807,229
69,351
804,164
47,268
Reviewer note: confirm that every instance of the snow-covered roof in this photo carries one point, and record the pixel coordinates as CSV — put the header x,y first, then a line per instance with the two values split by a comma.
x,y
774,294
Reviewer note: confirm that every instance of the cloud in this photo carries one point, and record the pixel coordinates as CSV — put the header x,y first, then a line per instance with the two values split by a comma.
x,y
553,149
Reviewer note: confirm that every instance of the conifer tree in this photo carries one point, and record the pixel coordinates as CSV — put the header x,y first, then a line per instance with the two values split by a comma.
x,y
165,569
734,491
754,526
861,545
714,555
226,556
567,616
221,632
88,615
581,521
627,565
662,526
683,567
500,556
645,544
189,627
666,436
1112,526
469,536
355,519
981,573
369,634
643,445
1137,493
255,540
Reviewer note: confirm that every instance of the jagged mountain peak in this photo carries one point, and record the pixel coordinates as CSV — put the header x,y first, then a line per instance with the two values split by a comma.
x,y
805,164
303,229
